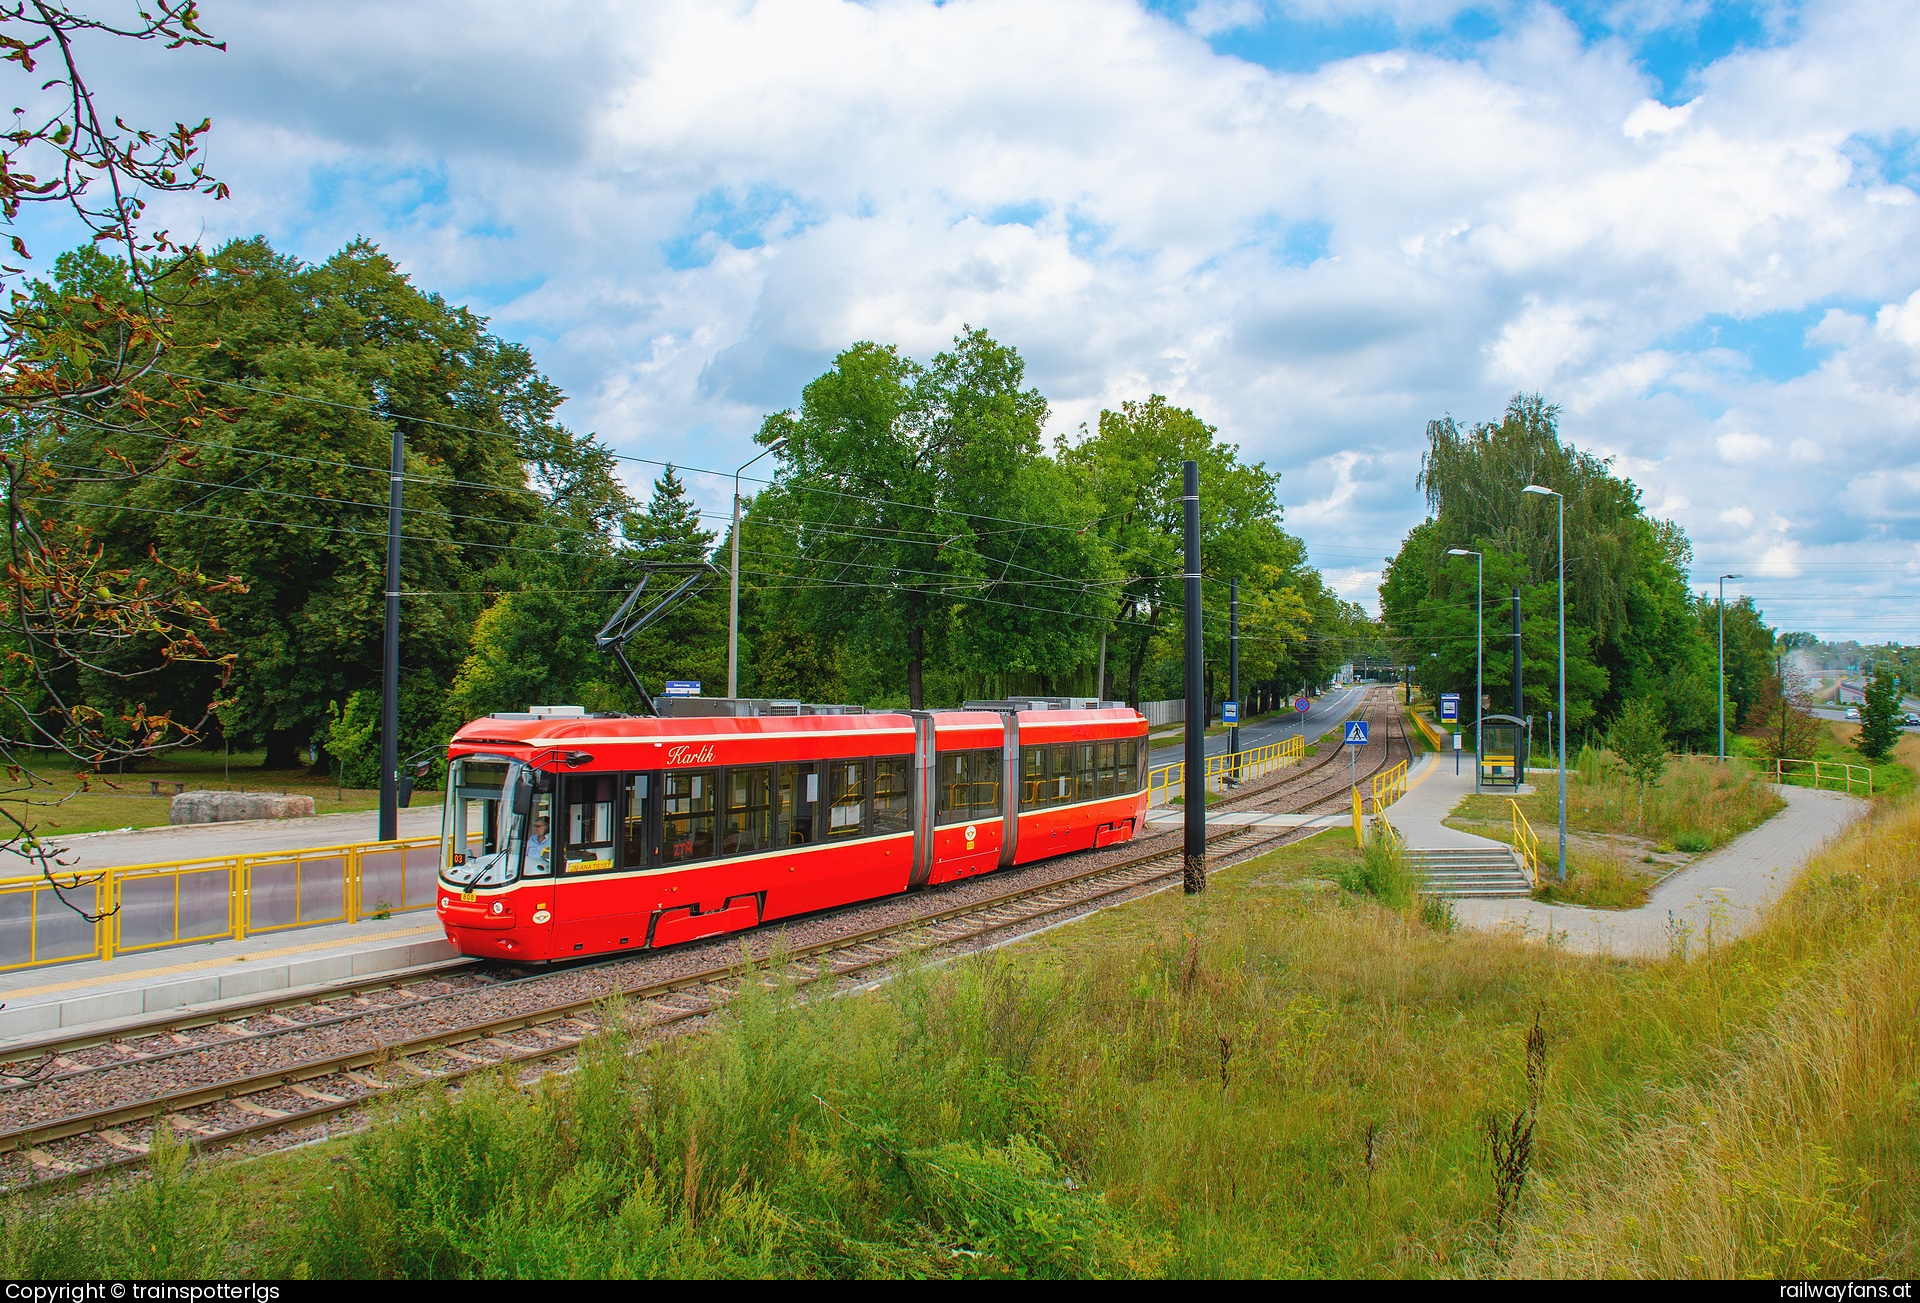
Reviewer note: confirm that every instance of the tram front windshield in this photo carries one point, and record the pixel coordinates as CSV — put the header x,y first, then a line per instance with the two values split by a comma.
x,y
483,838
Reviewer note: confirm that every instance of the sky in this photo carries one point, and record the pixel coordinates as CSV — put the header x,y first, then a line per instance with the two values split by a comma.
x,y
1318,224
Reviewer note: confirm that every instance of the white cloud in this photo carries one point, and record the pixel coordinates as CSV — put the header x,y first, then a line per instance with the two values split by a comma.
x,y
686,207
1741,445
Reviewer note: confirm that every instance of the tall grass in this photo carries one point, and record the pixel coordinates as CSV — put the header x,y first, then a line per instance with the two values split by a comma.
x,y
1797,1154
1258,1081
1697,805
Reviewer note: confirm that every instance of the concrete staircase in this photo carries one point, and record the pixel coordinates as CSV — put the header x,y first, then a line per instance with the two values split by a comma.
x,y
1482,873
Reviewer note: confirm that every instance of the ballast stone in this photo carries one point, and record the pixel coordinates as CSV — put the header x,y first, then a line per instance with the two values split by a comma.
x,y
224,807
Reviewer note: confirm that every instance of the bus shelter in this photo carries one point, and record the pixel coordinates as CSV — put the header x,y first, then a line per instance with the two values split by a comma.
x,y
1503,750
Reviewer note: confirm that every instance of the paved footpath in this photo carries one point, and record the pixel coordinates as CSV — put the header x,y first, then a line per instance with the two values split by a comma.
x,y
1726,890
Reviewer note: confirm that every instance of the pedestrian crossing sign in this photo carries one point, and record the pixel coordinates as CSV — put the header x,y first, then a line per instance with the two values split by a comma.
x,y
1356,733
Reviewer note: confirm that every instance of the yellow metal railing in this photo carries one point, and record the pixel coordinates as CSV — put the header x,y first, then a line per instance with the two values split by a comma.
x,y
1389,787
228,898
1839,774
1165,784
1438,738
1526,844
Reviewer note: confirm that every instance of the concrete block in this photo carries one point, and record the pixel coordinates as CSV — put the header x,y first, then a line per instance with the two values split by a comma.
x,y
430,952
187,990
222,807
29,1020
313,972
107,1005
379,959
267,977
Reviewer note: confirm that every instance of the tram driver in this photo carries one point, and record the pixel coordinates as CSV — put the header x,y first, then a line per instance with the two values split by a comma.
x,y
539,845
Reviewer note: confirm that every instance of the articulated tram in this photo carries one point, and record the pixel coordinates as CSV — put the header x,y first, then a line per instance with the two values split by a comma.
x,y
569,834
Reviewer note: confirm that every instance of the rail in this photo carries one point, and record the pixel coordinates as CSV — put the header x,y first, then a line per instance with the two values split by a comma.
x,y
142,907
1164,784
1526,844
1841,774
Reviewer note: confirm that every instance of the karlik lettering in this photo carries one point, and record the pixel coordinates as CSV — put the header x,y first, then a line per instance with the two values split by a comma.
x,y
685,755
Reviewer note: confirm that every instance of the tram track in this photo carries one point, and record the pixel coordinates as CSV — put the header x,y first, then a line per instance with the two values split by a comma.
x,y
89,1143
1316,786
238,1107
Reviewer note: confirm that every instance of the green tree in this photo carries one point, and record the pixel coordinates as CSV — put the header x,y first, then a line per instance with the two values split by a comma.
x,y
315,367
1639,740
1879,715
1132,463
1632,632
1782,719
914,517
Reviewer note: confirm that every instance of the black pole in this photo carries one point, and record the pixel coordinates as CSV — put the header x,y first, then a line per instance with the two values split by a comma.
x,y
1233,669
390,661
1195,868
1519,706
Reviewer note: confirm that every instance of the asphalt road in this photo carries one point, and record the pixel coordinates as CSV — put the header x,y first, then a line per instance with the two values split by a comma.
x,y
1327,711
1839,713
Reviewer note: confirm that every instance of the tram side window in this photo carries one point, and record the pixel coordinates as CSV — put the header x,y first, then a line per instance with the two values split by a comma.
x,y
634,852
1085,772
1060,773
846,798
539,858
589,822
953,776
749,824
1129,765
687,803
892,794
1106,765
797,798
969,785
1035,794
987,775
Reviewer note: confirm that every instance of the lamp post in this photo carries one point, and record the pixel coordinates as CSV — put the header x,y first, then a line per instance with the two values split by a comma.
x,y
1723,666
733,609
1479,607
390,654
1562,503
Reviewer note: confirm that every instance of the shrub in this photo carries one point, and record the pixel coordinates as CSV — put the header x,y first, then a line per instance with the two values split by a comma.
x,y
1382,871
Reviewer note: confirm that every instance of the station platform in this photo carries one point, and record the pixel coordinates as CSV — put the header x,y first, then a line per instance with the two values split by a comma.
x,y
97,994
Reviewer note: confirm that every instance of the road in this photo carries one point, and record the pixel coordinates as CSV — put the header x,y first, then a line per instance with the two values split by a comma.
x,y
1839,713
1327,711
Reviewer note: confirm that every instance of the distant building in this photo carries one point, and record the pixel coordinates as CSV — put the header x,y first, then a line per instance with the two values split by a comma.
x,y
1852,694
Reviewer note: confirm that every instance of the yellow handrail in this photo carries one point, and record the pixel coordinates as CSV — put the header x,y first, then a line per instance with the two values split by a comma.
x,y
140,907
1526,843
1164,783
1836,771
1389,787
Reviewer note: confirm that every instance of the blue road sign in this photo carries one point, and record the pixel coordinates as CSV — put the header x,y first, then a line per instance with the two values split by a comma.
x,y
1302,705
681,688
1449,707
1356,733
1229,712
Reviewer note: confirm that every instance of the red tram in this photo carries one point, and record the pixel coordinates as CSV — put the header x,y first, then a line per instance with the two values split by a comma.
x,y
570,835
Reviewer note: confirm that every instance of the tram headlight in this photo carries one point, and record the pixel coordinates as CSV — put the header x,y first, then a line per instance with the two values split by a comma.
x,y
499,908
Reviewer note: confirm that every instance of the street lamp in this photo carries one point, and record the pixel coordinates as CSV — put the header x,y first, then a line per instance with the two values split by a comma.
x,y
1479,607
1723,666
1549,493
733,610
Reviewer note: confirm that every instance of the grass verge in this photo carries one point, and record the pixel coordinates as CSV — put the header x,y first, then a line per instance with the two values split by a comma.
x,y
1279,1077
1621,841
